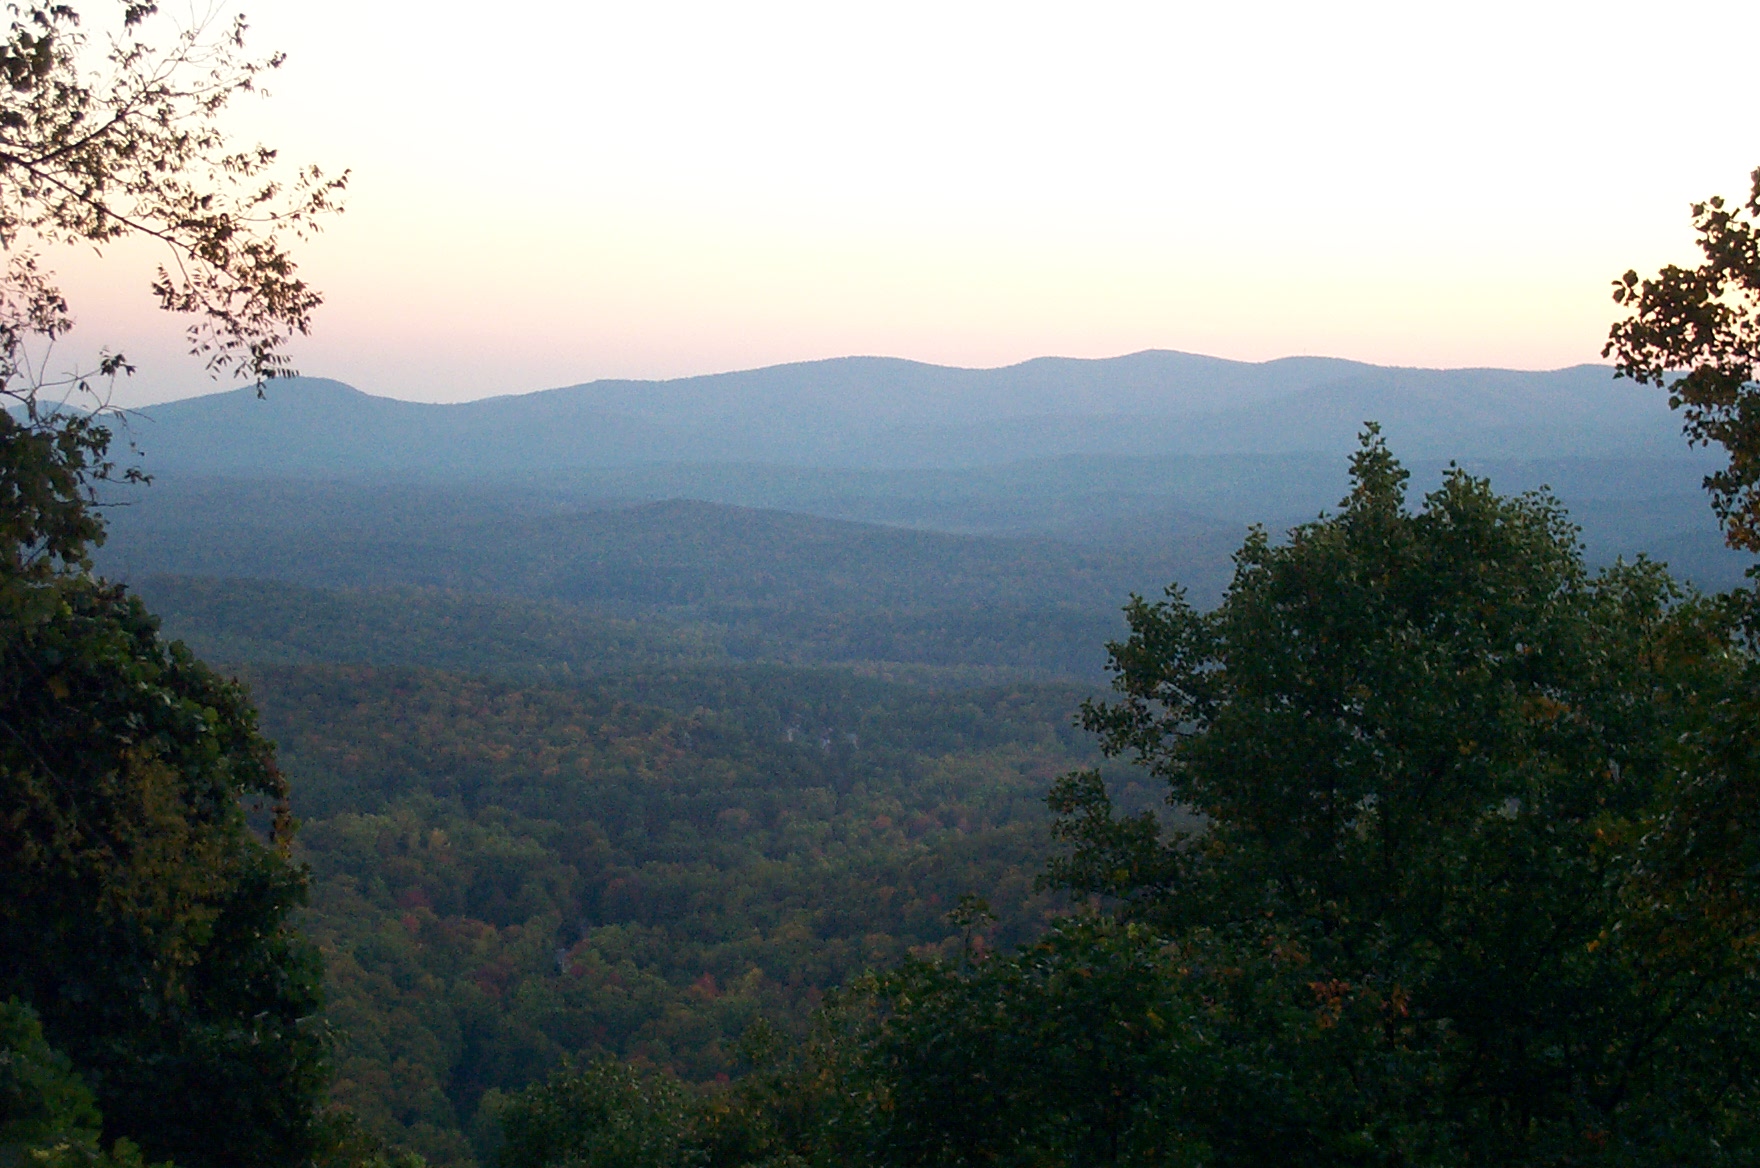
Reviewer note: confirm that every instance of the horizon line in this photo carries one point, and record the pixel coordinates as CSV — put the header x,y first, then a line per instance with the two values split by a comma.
x,y
300,375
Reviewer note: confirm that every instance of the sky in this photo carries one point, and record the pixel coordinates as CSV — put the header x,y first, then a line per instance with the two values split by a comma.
x,y
559,192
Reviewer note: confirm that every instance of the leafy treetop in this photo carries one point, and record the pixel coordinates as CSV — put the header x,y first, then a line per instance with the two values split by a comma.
x,y
135,149
1705,321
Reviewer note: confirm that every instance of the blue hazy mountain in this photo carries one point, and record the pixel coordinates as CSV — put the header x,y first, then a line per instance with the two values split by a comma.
x,y
878,413
852,510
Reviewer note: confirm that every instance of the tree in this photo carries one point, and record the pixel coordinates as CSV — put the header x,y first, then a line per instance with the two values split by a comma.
x,y
42,1102
135,150
1061,1052
1696,332
141,916
1705,321
146,890
1442,773
100,146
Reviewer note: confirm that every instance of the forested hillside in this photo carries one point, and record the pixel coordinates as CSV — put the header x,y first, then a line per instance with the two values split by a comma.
x,y
750,585
269,622
537,830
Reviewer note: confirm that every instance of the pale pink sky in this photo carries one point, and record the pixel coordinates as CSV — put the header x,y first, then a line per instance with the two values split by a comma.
x,y
582,190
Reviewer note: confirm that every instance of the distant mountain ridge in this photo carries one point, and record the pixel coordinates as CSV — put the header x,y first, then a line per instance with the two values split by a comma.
x,y
970,523
879,413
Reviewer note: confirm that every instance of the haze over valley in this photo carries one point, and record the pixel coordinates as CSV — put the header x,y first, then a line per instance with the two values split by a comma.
x,y
980,523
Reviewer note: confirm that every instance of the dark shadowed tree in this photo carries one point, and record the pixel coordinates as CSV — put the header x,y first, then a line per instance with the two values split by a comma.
x,y
140,914
145,886
1696,333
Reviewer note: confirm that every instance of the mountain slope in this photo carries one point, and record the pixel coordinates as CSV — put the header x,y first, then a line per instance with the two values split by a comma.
x,y
751,584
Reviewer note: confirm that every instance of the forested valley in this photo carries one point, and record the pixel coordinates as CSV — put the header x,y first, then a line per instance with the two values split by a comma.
x,y
734,837
598,783
626,874
509,874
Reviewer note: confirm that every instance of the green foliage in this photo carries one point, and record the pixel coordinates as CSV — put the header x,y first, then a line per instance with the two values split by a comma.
x,y
1705,321
46,527
140,914
1421,921
343,1141
48,1118
605,1115
42,1101
1061,1052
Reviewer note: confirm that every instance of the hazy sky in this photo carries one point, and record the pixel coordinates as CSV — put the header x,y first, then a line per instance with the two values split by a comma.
x,y
565,191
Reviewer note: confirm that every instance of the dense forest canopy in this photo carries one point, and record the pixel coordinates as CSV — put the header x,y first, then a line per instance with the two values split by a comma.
x,y
505,875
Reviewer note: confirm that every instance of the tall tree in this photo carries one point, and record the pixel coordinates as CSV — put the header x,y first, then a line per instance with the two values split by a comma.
x,y
145,886
1696,333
